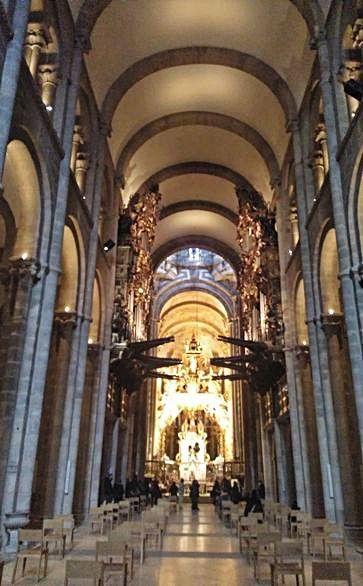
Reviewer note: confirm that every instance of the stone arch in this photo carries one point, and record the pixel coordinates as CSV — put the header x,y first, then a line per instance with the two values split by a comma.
x,y
301,328
201,56
204,287
197,167
199,118
194,241
197,204
355,210
7,230
92,9
22,194
71,282
329,283
346,57
95,330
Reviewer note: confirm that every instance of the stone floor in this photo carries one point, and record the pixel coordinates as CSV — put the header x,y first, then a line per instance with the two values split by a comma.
x,y
198,551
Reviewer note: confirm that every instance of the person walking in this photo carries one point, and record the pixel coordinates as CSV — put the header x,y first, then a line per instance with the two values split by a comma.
x,y
194,495
181,488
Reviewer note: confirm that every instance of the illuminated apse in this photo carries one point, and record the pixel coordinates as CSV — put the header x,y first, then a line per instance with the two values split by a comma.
x,y
191,429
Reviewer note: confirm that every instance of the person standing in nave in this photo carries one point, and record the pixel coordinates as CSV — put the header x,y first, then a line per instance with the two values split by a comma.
x,y
236,496
181,489
253,504
194,495
155,492
261,490
173,490
118,491
108,489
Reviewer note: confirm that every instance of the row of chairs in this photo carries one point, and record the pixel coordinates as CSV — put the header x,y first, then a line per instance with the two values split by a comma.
x,y
320,535
268,537
108,515
116,551
35,543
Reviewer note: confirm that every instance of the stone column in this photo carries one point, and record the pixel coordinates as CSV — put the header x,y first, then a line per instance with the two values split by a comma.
x,y
346,422
34,43
96,438
305,391
302,476
281,463
96,435
317,165
10,75
266,459
77,141
81,171
341,228
294,222
70,434
54,404
48,77
24,436
87,421
325,421
18,279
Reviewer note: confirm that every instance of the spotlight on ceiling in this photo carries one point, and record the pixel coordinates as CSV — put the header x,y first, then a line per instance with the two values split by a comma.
x,y
354,89
108,245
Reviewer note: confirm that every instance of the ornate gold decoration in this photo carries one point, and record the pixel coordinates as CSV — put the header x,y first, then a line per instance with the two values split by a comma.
x,y
250,240
144,215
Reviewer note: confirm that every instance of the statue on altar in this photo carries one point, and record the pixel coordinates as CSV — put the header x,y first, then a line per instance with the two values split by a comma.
x,y
192,454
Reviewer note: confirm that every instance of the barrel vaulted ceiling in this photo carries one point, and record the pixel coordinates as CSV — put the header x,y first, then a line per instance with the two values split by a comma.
x,y
198,94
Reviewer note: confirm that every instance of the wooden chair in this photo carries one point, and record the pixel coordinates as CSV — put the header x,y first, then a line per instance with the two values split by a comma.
x,y
96,519
244,525
152,530
299,524
84,570
258,516
134,506
35,548
282,519
289,561
124,511
53,532
68,528
263,548
133,532
110,518
316,534
226,511
333,538
117,557
331,571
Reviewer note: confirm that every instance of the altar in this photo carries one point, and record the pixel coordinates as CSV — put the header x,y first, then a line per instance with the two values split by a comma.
x,y
192,456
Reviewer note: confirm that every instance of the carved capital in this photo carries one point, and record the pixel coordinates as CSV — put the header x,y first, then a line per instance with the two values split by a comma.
x,y
65,322
82,41
302,354
119,181
275,183
293,125
318,38
333,325
21,268
35,35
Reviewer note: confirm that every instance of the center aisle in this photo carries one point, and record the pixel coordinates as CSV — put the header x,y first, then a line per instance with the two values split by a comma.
x,y
197,551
